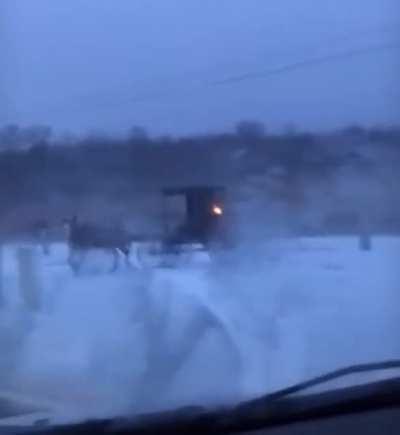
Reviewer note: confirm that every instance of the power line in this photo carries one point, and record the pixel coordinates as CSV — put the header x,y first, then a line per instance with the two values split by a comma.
x,y
255,75
307,63
346,36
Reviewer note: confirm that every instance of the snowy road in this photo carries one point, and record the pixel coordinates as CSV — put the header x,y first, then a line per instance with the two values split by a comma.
x,y
293,309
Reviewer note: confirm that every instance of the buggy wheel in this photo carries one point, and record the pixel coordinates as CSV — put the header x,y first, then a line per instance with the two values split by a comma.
x,y
179,255
75,260
150,254
115,265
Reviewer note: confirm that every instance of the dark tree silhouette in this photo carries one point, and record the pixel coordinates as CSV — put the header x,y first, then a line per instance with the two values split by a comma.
x,y
250,129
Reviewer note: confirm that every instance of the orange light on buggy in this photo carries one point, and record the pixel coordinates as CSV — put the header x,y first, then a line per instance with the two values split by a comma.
x,y
217,210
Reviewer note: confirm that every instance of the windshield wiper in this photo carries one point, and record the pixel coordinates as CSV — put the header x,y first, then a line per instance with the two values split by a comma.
x,y
281,407
323,379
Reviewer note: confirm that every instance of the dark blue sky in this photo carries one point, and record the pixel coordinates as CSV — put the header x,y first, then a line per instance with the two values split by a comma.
x,y
109,64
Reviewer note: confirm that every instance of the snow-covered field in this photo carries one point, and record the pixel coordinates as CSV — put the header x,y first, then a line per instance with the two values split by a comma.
x,y
288,310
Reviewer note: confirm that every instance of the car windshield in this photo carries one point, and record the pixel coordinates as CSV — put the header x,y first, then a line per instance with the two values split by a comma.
x,y
199,199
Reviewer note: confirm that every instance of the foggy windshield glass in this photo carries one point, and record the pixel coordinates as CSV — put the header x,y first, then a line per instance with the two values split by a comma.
x,y
199,199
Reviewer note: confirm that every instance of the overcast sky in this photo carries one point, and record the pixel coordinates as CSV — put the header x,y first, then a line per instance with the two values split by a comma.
x,y
106,65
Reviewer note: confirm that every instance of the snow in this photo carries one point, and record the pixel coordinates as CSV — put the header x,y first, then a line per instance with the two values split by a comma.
x,y
292,308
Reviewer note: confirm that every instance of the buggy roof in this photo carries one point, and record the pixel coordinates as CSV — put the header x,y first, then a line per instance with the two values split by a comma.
x,y
192,190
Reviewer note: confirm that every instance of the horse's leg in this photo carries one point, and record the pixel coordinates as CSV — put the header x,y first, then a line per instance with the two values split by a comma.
x,y
69,258
128,261
116,260
126,251
75,259
82,256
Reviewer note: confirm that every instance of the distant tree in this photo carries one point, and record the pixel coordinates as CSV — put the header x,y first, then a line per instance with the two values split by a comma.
x,y
290,129
354,131
14,137
9,136
250,129
137,133
67,138
36,134
387,135
95,135
38,153
165,140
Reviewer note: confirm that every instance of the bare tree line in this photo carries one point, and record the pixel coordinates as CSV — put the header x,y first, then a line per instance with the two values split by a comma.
x,y
43,176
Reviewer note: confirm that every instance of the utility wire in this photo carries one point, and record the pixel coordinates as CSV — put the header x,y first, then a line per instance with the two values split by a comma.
x,y
308,63
262,74
164,95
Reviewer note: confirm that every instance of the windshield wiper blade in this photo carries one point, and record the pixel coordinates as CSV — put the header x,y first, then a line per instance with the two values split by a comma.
x,y
278,408
328,377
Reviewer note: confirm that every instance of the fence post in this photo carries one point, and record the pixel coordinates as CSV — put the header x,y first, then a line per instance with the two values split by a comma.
x,y
365,239
28,279
44,241
365,242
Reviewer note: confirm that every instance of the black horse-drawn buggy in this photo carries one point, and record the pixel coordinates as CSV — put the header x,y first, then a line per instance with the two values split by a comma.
x,y
193,219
